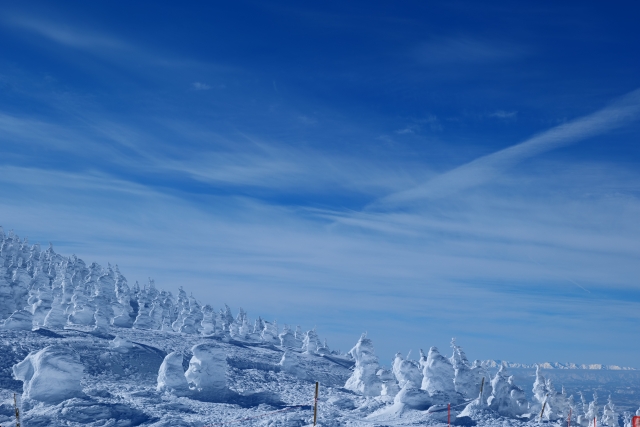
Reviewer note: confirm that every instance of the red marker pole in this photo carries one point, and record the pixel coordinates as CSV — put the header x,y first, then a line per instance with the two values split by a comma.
x,y
594,421
569,419
449,414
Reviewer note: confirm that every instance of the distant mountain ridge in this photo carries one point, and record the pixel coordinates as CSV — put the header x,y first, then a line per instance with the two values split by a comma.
x,y
490,363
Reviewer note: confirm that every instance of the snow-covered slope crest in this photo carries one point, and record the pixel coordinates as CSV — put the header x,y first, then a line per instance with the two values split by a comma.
x,y
44,289
82,348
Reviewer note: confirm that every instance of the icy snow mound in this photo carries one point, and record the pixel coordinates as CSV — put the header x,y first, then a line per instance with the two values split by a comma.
x,y
50,375
171,376
207,373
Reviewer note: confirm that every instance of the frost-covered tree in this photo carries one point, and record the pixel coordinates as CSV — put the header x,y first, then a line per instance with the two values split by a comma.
x,y
466,380
311,342
609,414
438,376
506,398
364,379
208,323
407,372
390,386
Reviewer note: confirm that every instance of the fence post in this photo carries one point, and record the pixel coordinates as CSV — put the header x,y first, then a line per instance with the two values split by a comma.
x,y
315,406
15,406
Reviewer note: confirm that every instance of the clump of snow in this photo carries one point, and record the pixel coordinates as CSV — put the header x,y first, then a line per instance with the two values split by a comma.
x,y
476,409
407,372
207,372
171,376
409,379
50,375
364,379
390,386
412,397
121,345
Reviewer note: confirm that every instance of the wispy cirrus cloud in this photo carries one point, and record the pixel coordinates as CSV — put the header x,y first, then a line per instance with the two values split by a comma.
x,y
72,37
501,114
201,86
489,167
117,50
466,50
221,161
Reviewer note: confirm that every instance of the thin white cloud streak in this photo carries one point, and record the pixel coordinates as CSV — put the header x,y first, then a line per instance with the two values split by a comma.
x,y
122,53
466,50
201,86
240,162
280,168
98,139
68,36
489,167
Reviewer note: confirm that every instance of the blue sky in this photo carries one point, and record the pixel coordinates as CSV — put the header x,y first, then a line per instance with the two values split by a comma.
x,y
417,170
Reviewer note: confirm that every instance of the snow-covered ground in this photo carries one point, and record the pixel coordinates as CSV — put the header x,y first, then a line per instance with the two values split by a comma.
x,y
79,347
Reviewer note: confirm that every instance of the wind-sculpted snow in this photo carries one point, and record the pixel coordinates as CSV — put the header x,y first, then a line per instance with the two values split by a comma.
x,y
50,375
171,376
207,372
82,347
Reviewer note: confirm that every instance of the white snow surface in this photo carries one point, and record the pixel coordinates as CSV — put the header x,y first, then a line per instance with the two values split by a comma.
x,y
80,347
171,376
50,375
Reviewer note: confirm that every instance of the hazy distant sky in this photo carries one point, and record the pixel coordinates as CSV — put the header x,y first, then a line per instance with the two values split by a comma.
x,y
419,170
